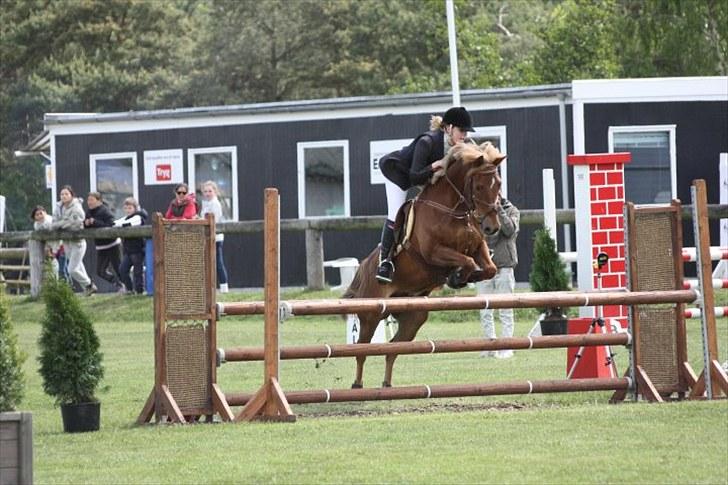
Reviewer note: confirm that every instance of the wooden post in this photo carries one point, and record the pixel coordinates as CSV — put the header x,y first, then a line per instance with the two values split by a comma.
x,y
269,403
314,259
36,255
713,375
16,448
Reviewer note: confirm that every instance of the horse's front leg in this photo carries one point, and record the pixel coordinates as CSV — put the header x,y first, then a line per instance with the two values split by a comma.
x,y
483,259
444,256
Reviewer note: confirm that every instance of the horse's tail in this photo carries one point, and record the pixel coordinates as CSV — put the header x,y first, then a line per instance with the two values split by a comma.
x,y
365,269
353,288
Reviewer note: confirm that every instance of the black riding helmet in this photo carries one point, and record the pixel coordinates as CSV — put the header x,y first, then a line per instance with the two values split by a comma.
x,y
459,117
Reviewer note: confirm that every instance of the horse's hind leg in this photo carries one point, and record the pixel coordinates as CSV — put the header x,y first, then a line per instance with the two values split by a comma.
x,y
367,325
409,325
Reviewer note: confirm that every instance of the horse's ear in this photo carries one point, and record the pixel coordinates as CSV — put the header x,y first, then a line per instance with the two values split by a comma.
x,y
480,160
499,159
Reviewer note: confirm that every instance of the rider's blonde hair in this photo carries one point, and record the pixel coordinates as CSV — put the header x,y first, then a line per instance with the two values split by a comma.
x,y
436,123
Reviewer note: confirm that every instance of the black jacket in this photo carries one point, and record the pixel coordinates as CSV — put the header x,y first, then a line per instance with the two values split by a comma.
x,y
412,165
102,218
134,245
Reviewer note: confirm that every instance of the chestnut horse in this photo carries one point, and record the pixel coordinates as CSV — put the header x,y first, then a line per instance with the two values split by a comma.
x,y
445,243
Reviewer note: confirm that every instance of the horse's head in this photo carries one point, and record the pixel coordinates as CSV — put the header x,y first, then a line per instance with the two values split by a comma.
x,y
481,181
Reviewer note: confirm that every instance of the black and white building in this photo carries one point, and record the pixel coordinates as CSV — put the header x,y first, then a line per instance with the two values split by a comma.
x,y
322,154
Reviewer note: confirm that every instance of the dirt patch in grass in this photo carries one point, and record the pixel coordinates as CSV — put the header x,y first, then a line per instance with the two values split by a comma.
x,y
321,412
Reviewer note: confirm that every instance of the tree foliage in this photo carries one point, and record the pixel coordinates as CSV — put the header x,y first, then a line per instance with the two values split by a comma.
x,y
547,269
70,361
11,359
119,55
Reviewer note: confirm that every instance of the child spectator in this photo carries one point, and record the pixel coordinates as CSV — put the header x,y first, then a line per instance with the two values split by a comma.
x,y
108,256
133,247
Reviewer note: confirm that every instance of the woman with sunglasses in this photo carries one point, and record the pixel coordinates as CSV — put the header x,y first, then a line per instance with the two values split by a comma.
x,y
184,204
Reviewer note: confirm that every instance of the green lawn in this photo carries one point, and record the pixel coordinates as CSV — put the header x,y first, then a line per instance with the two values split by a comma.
x,y
556,438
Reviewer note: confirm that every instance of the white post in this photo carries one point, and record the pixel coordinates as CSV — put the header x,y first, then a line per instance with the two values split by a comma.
x,y
549,203
721,270
2,213
454,78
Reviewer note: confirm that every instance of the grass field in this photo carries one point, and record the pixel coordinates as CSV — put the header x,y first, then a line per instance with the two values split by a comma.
x,y
557,438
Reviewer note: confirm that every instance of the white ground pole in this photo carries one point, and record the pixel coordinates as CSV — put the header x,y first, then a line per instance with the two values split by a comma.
x,y
549,203
721,270
452,42
2,213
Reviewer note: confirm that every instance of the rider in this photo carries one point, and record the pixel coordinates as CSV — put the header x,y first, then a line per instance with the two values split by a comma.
x,y
414,165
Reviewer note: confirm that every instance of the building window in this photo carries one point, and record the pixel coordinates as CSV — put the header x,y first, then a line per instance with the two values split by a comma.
x,y
114,175
651,176
323,179
219,164
497,136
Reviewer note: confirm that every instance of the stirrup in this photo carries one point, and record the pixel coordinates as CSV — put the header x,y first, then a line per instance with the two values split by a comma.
x,y
385,270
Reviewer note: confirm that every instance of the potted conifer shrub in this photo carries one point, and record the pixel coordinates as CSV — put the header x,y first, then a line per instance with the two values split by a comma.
x,y
548,274
70,361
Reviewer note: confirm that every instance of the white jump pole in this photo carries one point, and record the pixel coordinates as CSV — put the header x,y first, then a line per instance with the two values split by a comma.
x,y
452,42
721,270
549,203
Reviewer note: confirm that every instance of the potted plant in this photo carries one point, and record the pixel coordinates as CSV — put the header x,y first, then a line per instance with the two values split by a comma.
x,y
548,274
70,361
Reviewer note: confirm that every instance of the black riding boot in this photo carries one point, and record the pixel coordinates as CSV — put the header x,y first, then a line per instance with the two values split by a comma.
x,y
386,267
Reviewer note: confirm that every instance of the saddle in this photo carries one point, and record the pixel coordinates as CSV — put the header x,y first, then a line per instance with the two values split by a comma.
x,y
403,226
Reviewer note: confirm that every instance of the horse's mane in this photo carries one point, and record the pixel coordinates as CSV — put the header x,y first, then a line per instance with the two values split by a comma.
x,y
467,152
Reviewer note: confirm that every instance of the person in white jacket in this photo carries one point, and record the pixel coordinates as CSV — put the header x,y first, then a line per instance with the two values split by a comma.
x,y
211,205
42,220
70,215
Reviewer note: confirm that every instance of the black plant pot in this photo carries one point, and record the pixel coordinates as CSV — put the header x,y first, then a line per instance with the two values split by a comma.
x,y
554,322
82,417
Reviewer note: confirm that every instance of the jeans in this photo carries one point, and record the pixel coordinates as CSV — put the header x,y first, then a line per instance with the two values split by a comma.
x,y
135,261
503,282
222,277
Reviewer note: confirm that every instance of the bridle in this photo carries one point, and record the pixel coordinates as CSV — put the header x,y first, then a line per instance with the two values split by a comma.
x,y
469,200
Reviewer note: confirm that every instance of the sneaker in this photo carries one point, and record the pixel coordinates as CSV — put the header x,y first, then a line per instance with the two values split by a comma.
x,y
504,354
121,290
488,354
385,271
90,290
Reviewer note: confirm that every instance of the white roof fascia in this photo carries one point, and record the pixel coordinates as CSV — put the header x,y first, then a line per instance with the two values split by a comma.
x,y
150,120
648,90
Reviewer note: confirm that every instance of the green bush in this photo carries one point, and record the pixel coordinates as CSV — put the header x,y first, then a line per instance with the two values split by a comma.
x,y
11,360
547,269
70,361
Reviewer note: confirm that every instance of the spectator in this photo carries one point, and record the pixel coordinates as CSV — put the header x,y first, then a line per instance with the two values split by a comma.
x,y
211,205
108,256
184,205
42,220
133,247
69,215
505,257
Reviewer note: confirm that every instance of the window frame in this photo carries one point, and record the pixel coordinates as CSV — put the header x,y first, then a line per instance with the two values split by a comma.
x,y
671,131
191,179
500,132
301,175
95,157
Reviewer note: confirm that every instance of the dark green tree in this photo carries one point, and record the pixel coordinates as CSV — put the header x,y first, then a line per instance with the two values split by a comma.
x,y
70,361
11,359
547,269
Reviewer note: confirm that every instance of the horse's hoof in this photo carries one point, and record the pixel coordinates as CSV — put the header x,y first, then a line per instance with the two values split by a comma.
x,y
454,280
386,384
356,386
477,275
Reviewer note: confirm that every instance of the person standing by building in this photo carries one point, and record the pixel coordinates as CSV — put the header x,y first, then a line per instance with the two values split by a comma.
x,y
211,205
108,256
184,204
413,165
69,215
42,220
133,258
505,257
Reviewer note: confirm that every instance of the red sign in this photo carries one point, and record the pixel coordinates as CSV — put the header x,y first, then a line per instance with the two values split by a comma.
x,y
163,172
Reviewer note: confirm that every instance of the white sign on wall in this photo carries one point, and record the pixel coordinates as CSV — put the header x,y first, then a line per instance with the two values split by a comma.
x,y
377,149
163,167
